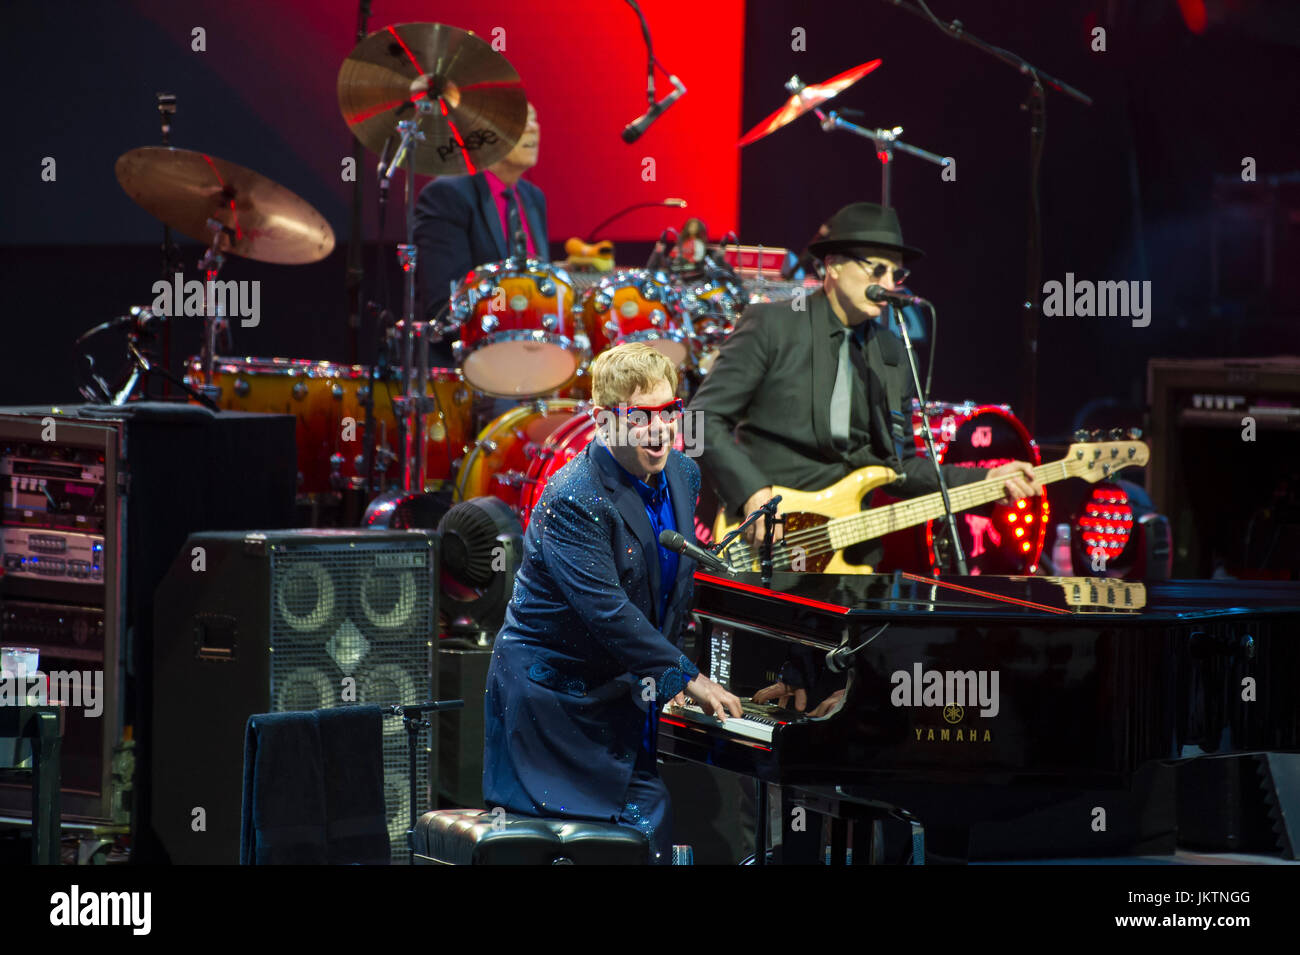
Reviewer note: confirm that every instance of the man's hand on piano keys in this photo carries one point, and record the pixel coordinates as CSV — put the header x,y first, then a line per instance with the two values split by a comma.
x,y
713,699
782,694
829,705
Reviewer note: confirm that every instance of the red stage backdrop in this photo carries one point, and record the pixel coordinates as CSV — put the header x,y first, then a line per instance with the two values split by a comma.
x,y
582,63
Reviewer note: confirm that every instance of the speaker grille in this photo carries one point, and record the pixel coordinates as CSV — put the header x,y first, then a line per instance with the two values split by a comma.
x,y
352,622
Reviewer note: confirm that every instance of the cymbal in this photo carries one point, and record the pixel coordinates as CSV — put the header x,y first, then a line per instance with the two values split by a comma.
x,y
264,220
807,100
479,108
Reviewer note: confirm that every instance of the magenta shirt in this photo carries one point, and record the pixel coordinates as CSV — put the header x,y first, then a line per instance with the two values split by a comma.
x,y
498,193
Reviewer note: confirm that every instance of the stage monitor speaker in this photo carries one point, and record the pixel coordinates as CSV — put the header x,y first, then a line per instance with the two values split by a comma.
x,y
256,622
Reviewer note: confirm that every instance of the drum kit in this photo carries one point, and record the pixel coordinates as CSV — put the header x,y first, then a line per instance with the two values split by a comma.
x,y
434,100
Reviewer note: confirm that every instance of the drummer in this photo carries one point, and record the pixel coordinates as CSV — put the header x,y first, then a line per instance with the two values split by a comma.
x,y
462,222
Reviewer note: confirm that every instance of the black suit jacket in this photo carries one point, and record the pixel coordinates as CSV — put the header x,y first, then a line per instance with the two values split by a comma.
x,y
458,228
765,407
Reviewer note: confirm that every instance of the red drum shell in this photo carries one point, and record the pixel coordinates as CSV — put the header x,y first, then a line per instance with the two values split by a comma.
x,y
518,334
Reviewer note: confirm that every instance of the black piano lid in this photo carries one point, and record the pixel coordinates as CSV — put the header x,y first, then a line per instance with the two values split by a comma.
x,y
866,596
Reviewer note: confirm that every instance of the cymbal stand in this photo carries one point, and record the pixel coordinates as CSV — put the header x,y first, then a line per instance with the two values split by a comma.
x,y
414,402
214,324
144,368
886,142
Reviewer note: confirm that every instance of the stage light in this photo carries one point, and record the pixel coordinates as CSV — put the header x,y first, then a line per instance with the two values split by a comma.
x,y
1117,533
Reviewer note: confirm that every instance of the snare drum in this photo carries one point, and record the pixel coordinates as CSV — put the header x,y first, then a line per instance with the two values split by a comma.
x,y
637,306
500,462
331,430
518,337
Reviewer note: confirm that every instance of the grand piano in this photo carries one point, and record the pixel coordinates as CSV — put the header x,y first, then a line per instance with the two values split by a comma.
x,y
978,707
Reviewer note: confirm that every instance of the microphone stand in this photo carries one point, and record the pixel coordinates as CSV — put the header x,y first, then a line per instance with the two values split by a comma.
x,y
410,714
355,271
765,551
170,252
959,555
1036,105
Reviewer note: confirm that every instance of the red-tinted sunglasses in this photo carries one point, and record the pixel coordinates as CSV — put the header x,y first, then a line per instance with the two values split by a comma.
x,y
638,416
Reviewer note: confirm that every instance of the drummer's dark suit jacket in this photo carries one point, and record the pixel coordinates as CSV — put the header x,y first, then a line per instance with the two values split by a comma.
x,y
765,408
458,228
566,703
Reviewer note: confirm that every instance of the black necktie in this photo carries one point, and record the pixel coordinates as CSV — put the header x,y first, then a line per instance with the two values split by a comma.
x,y
516,243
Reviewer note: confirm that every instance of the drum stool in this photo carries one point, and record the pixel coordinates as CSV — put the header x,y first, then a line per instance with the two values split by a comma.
x,y
477,837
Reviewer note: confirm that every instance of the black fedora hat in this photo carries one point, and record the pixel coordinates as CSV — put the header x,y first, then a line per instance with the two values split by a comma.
x,y
859,224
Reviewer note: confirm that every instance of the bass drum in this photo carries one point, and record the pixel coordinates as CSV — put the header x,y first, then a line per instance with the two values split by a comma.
x,y
500,462
998,538
322,396
565,443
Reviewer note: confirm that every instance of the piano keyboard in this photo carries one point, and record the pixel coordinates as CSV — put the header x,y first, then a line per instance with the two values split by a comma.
x,y
757,723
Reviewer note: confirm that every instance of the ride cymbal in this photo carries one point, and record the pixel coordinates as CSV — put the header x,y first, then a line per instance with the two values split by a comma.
x,y
479,108
263,220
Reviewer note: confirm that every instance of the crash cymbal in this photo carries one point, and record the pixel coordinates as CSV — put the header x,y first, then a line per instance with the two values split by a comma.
x,y
263,220
807,100
480,108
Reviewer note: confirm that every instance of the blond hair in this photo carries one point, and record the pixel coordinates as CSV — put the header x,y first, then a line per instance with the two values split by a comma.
x,y
620,372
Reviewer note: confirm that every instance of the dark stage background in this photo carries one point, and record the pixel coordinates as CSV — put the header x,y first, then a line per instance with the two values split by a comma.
x,y
1126,184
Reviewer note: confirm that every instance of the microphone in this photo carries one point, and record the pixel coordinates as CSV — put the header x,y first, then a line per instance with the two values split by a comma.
x,y
679,544
881,296
841,658
633,130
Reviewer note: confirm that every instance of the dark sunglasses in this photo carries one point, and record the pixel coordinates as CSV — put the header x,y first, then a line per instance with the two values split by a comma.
x,y
878,271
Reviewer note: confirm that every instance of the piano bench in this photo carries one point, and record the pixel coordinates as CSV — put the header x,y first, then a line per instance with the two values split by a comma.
x,y
477,837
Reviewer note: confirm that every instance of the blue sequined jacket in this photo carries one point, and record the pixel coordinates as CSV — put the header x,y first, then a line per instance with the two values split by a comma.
x,y
582,650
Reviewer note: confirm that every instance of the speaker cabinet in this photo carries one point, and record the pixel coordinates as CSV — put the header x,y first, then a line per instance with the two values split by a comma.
x,y
256,622
462,675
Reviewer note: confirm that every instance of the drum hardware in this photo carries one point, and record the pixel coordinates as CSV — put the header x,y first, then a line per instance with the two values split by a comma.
x,y
886,141
388,101
805,98
141,324
235,211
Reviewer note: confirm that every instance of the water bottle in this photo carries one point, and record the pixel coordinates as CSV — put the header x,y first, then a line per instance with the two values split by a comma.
x,y
1061,552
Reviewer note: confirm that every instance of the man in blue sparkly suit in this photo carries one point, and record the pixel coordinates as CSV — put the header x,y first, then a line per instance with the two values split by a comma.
x,y
589,650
